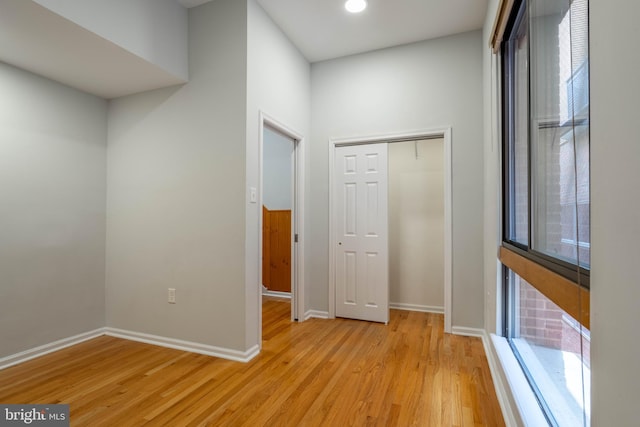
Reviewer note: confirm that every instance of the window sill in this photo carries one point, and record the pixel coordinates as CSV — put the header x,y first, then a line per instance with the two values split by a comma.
x,y
526,403
550,375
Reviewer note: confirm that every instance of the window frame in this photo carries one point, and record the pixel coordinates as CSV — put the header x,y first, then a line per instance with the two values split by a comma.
x,y
564,283
576,273
508,130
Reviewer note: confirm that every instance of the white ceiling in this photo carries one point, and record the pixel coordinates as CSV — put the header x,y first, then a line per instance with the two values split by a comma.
x,y
323,29
38,40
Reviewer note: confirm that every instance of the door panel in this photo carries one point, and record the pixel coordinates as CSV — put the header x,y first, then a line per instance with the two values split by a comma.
x,y
360,200
350,278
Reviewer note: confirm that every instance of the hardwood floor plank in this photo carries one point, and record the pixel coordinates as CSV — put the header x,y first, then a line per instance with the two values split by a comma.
x,y
316,373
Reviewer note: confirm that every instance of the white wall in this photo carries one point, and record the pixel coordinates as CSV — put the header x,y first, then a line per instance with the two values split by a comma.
x,y
615,203
416,223
155,30
276,171
278,84
52,211
424,85
176,193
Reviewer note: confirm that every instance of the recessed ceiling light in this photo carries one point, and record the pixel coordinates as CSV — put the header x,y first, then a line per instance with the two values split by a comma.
x,y
355,6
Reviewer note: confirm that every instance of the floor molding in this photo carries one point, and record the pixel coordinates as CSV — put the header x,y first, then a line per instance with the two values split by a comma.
x,y
193,347
317,314
416,307
276,294
26,355
468,332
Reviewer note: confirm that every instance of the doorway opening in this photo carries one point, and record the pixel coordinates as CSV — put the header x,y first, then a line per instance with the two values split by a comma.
x,y
277,206
338,189
416,225
281,205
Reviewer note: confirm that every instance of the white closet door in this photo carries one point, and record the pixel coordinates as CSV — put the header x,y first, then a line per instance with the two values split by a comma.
x,y
360,201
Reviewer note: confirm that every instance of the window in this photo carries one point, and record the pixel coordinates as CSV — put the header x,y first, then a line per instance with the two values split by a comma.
x,y
546,238
559,121
554,349
546,134
517,130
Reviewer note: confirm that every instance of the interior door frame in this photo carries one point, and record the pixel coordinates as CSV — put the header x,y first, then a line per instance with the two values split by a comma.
x,y
445,134
297,217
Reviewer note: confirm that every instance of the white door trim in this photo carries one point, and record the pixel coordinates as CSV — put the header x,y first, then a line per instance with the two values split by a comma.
x,y
297,249
444,133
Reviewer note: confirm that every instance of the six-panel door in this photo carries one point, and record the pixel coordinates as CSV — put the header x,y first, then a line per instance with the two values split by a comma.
x,y
360,207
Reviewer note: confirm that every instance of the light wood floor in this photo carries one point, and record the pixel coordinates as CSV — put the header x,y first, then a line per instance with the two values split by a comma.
x,y
316,373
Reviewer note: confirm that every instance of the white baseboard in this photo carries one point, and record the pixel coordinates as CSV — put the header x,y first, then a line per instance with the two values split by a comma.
x,y
468,332
223,353
23,356
317,314
276,294
416,307
193,347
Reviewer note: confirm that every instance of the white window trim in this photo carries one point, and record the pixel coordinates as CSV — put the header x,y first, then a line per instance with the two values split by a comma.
x,y
527,406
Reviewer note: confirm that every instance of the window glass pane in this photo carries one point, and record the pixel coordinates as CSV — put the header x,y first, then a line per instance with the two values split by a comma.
x,y
560,129
518,164
554,348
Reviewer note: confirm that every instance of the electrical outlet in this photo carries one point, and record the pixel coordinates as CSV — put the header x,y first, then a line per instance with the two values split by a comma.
x,y
171,296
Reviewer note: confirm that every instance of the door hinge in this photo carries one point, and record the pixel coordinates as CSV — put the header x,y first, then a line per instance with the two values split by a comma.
x,y
295,238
